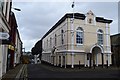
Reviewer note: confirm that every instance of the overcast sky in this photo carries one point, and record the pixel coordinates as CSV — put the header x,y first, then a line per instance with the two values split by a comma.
x,y
36,18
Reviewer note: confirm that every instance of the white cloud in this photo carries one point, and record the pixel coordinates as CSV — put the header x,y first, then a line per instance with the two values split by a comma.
x,y
114,27
28,44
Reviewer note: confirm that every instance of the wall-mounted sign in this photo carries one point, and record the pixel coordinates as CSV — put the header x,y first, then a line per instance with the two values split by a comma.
x,y
11,47
5,41
4,35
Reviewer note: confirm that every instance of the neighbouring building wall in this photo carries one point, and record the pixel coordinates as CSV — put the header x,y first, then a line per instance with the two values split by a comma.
x,y
5,8
12,45
4,58
0,62
18,49
115,47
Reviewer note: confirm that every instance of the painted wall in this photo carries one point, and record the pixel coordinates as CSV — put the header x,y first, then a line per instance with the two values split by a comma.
x,y
18,48
90,39
4,27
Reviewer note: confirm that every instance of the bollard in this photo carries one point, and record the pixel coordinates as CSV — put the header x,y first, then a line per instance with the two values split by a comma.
x,y
107,63
90,60
79,65
94,64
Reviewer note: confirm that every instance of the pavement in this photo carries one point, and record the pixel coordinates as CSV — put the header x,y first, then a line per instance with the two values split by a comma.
x,y
78,69
15,73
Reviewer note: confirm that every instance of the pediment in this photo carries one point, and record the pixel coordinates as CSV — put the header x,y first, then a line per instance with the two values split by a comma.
x,y
90,13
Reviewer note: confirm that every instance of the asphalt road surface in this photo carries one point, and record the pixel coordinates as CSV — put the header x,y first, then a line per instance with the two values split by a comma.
x,y
36,71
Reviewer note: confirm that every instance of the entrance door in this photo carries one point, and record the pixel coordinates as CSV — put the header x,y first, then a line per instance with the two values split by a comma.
x,y
64,60
59,60
95,56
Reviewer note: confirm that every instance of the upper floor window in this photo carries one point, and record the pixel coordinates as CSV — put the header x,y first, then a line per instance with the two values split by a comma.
x,y
62,33
100,36
50,42
55,40
79,35
1,5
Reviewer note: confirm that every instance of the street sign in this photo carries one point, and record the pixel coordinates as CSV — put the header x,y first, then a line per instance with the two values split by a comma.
x,y
4,35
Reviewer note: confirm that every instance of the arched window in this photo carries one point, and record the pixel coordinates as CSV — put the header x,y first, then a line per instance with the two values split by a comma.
x,y
62,40
100,36
79,35
1,5
55,40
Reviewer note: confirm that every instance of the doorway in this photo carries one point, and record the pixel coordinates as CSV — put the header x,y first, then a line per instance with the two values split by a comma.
x,y
95,56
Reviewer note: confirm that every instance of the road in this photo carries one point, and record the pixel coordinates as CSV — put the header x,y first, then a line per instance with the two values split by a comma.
x,y
46,71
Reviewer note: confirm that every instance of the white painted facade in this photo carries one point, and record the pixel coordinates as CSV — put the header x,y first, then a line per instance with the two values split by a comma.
x,y
60,49
4,27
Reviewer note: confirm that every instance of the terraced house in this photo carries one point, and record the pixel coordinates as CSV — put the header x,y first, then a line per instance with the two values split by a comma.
x,y
10,41
78,39
5,8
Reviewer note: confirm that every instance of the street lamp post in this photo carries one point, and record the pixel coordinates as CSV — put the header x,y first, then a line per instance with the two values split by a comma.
x,y
17,9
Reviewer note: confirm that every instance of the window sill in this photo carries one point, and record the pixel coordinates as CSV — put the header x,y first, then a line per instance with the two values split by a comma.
x,y
79,44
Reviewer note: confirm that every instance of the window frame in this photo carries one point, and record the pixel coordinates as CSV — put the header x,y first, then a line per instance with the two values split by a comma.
x,y
62,36
100,37
55,40
1,5
79,40
50,42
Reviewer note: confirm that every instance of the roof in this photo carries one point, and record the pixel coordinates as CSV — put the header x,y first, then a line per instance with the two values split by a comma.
x,y
68,15
118,34
19,36
115,39
13,21
76,16
101,19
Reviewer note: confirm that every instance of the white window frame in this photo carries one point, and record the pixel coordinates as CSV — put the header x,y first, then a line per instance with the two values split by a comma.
x,y
100,39
80,31
62,36
50,42
55,40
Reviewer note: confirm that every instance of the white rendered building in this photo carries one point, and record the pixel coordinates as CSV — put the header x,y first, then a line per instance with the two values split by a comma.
x,y
5,7
78,39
